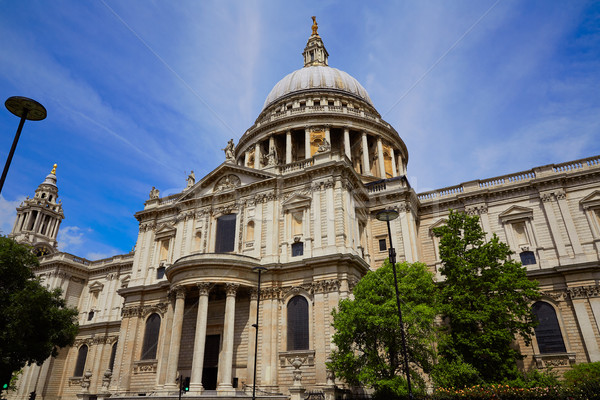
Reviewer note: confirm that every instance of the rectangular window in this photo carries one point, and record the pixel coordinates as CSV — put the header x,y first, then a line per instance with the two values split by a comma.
x,y
297,223
297,249
520,234
225,241
160,272
164,250
382,245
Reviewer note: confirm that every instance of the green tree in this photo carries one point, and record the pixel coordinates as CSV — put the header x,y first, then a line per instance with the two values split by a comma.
x,y
367,332
34,322
486,298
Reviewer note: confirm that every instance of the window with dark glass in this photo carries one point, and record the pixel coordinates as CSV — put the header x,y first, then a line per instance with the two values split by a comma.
x,y
151,337
297,249
81,357
113,354
527,258
90,315
225,241
297,324
547,333
160,272
382,245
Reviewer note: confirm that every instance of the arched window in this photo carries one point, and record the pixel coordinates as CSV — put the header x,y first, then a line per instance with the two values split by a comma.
x,y
151,337
527,258
81,357
547,332
113,354
297,324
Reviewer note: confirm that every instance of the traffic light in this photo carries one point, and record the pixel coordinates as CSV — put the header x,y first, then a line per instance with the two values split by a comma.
x,y
186,384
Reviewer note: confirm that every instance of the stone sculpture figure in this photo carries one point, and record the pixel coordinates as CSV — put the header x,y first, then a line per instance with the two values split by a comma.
x,y
324,146
154,193
229,157
191,180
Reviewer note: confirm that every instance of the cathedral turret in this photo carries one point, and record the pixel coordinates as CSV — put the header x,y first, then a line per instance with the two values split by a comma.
x,y
315,52
39,218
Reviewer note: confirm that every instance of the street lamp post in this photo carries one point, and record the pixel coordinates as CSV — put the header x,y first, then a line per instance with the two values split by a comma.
x,y
387,216
26,109
260,270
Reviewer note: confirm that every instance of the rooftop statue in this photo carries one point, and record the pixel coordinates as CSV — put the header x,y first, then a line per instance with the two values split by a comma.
x,y
315,26
229,157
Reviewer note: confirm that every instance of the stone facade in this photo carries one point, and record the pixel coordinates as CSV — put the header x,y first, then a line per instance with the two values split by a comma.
x,y
298,195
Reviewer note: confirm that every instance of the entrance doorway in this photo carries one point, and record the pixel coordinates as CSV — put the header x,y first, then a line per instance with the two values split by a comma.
x,y
211,362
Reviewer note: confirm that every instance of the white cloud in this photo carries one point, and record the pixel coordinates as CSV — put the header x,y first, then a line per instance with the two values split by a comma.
x,y
8,213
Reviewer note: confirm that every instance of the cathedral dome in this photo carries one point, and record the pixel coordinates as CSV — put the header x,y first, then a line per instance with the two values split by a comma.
x,y
317,77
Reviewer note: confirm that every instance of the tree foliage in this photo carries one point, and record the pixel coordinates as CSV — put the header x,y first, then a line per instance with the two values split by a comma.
x,y
486,298
34,322
367,332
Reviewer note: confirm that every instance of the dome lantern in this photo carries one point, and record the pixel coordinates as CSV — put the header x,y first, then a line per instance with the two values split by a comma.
x,y
315,53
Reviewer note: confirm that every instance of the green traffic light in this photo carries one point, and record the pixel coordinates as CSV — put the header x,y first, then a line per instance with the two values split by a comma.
x,y
5,386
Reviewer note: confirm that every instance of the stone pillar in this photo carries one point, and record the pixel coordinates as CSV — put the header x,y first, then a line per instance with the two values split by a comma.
x,y
365,155
307,154
328,135
251,336
246,157
226,360
380,160
394,167
586,328
257,156
173,361
554,229
288,147
200,339
347,144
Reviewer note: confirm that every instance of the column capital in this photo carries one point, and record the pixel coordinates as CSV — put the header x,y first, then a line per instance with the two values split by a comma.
x,y
253,294
178,292
204,288
231,289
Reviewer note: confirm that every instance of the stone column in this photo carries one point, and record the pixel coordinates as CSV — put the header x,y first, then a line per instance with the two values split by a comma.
x,y
257,156
586,328
288,147
328,135
246,157
394,167
251,335
226,360
347,144
173,361
200,339
365,155
307,154
380,160
554,229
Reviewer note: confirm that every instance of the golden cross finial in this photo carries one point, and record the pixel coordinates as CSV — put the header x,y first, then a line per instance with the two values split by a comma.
x,y
315,26
53,172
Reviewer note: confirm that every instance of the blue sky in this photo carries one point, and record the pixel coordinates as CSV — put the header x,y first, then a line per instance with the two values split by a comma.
x,y
139,93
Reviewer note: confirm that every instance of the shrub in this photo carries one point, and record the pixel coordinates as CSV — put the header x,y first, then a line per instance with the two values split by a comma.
x,y
536,378
456,374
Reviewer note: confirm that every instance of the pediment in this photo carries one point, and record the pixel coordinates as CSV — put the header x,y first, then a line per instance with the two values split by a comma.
x,y
96,287
296,201
224,178
516,212
591,200
437,224
165,230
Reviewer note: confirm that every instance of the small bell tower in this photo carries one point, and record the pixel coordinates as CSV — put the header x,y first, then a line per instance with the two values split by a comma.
x,y
315,52
39,218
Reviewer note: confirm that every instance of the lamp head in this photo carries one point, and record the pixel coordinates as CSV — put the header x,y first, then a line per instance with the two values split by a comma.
x,y
387,215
